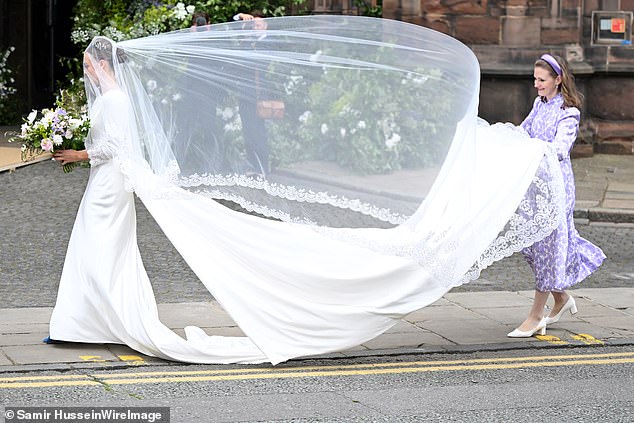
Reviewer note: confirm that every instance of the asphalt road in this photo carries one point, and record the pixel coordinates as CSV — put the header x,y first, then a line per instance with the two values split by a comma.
x,y
545,385
39,203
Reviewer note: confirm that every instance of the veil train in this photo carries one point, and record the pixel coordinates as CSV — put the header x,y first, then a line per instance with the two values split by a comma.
x,y
375,187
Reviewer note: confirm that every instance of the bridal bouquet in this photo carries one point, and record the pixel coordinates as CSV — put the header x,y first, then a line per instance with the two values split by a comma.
x,y
56,129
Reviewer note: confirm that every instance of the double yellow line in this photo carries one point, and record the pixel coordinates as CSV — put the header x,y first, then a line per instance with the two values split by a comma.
x,y
103,378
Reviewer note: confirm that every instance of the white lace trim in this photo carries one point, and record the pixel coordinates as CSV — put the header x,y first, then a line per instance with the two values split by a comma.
x,y
287,192
100,153
538,214
254,207
534,219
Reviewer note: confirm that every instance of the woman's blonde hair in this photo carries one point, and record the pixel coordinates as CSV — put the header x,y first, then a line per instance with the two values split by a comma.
x,y
568,87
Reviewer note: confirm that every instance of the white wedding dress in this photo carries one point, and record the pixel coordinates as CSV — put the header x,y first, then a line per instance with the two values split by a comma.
x,y
294,289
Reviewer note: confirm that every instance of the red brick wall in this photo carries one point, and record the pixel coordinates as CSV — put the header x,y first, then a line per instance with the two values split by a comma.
x,y
508,35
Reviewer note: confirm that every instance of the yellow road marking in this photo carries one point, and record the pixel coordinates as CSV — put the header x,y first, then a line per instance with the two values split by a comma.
x,y
551,339
344,367
317,371
587,339
96,358
132,359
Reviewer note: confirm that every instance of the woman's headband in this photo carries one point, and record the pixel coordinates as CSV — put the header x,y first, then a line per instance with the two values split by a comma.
x,y
552,62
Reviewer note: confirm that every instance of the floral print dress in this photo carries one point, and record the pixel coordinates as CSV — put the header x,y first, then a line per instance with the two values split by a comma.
x,y
563,258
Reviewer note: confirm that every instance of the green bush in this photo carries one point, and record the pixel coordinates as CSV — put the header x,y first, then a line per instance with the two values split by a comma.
x,y
126,19
370,121
9,102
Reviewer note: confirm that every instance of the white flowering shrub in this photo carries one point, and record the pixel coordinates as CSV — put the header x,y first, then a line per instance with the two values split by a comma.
x,y
126,19
373,122
8,109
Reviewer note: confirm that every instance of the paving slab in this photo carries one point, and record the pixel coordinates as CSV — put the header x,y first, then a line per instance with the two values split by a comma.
x,y
621,186
24,327
611,203
446,312
206,314
481,331
25,314
404,327
618,195
590,310
406,340
615,322
71,353
469,321
503,315
569,329
619,298
583,204
127,355
4,360
475,300
15,339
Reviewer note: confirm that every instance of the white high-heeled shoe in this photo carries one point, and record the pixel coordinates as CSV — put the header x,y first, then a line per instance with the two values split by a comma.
x,y
541,328
570,305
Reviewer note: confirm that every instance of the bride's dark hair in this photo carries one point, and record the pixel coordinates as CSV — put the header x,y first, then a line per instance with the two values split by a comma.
x,y
101,49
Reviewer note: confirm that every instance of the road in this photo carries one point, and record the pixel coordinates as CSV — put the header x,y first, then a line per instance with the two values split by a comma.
x,y
581,385
39,203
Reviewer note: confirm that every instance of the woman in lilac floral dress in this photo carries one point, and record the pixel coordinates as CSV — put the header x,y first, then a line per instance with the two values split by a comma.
x,y
562,259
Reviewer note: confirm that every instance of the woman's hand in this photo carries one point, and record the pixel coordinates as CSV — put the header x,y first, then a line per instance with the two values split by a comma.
x,y
70,156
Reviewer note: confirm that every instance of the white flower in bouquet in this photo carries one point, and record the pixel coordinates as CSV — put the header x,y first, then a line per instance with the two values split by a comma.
x,y
49,115
74,123
31,117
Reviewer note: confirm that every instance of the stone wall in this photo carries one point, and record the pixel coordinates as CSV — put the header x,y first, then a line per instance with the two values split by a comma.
x,y
508,35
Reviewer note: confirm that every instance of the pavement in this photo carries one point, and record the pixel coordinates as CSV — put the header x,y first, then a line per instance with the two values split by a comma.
x,y
458,322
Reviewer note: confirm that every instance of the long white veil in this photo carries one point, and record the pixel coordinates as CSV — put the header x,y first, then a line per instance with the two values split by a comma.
x,y
362,134
370,110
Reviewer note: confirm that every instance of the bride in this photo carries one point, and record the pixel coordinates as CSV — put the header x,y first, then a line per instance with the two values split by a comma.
x,y
386,189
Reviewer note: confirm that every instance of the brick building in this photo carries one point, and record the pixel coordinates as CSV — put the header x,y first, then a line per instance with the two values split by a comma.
x,y
508,35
